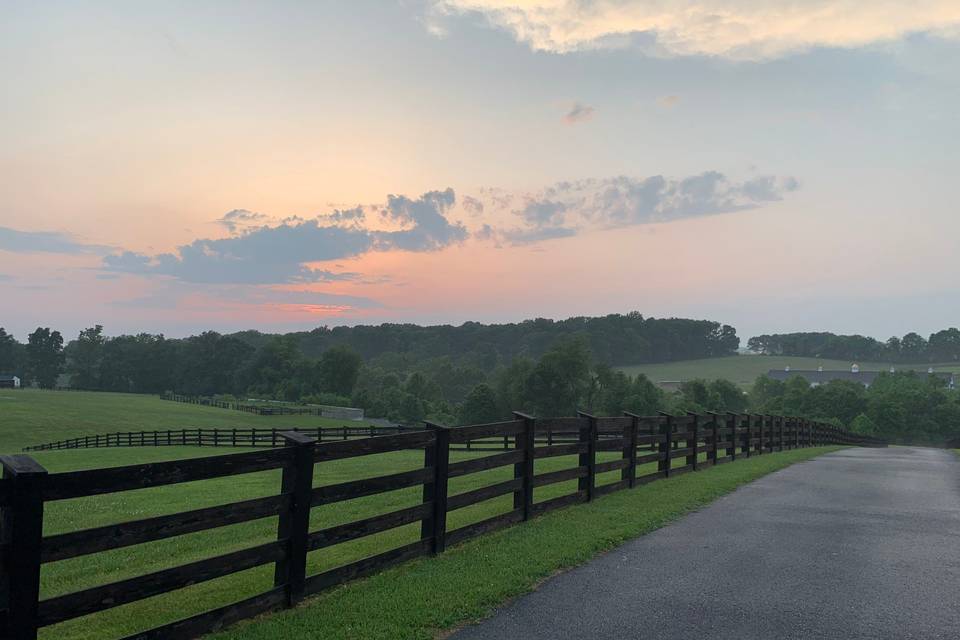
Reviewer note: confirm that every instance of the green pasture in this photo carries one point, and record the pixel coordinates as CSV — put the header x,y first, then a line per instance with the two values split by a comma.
x,y
33,416
413,601
744,369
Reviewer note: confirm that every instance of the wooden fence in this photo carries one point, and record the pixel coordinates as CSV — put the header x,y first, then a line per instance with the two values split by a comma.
x,y
26,487
257,437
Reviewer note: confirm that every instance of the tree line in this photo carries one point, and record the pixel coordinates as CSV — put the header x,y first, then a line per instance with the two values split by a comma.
x,y
941,346
461,388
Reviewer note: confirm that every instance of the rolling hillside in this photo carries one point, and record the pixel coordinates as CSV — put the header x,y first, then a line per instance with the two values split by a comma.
x,y
744,369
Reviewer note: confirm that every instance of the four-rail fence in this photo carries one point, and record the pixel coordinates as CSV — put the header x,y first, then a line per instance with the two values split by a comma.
x,y
680,444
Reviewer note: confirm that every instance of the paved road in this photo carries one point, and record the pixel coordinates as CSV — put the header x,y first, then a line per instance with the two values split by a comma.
x,y
861,543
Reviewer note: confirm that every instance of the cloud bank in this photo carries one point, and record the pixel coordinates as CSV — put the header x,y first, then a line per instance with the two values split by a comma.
x,y
568,208
279,254
737,29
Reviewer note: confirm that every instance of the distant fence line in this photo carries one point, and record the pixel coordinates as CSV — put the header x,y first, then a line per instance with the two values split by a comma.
x,y
26,487
258,437
336,413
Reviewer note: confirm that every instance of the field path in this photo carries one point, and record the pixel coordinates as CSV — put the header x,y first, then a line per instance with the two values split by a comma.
x,y
860,543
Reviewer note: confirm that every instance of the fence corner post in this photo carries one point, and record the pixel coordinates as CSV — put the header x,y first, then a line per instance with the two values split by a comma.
x,y
294,523
22,534
588,459
523,499
631,470
437,456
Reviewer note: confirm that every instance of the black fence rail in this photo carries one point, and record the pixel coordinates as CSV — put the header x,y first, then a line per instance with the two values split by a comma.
x,y
26,487
257,437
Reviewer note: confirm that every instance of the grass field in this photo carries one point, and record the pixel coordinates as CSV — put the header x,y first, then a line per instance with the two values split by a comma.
x,y
402,604
31,416
744,369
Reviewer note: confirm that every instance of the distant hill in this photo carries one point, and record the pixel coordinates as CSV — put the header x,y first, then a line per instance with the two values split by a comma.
x,y
744,369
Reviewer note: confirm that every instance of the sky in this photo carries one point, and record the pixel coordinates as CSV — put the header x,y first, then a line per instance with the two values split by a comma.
x,y
180,166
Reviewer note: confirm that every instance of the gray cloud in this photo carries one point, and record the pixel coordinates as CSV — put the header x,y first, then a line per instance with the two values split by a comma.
x,y
472,205
568,208
578,113
277,254
17,241
430,229
238,218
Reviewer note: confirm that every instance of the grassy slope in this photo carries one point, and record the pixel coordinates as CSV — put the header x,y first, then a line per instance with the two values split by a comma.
x,y
35,416
30,416
744,369
417,600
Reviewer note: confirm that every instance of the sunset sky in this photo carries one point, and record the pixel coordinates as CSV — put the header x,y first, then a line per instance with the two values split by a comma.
x,y
180,166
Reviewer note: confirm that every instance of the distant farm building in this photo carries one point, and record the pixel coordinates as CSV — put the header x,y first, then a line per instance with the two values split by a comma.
x,y
866,378
9,382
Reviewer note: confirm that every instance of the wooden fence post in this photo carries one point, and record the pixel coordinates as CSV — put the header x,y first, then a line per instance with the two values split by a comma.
x,y
631,471
665,448
435,493
693,440
714,450
294,524
732,420
523,499
588,459
22,534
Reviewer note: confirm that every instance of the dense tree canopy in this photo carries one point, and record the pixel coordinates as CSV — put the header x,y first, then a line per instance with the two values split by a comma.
x,y
942,346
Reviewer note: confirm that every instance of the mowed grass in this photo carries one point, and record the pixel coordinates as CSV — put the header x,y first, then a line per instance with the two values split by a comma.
x,y
32,416
70,575
744,369
421,599
413,601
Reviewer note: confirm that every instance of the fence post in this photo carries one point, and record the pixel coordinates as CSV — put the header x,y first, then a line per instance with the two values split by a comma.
x,y
780,422
631,471
523,499
588,459
437,456
714,450
760,435
732,420
693,440
666,448
22,533
294,525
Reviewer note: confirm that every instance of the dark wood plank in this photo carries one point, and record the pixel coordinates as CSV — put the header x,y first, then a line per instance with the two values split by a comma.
x,y
612,465
558,450
463,434
368,526
125,534
552,477
487,462
369,486
216,619
558,503
604,489
367,566
484,526
75,484
80,603
468,498
327,451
